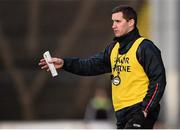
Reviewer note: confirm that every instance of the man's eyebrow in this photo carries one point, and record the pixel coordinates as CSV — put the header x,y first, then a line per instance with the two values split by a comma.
x,y
116,20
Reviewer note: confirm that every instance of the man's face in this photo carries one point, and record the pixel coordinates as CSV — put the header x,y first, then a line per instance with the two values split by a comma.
x,y
120,25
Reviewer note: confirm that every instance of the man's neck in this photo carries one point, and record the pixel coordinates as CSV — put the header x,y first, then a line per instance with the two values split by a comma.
x,y
128,36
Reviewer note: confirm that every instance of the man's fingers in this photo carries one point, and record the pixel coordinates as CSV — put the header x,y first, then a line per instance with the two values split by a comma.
x,y
58,63
53,60
42,60
44,67
42,63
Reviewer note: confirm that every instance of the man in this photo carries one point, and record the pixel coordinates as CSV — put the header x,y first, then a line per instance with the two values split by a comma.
x,y
138,74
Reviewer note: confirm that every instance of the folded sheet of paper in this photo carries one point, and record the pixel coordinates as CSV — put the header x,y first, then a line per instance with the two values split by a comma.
x,y
52,68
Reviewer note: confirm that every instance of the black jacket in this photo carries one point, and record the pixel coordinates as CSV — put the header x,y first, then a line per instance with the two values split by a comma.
x,y
148,55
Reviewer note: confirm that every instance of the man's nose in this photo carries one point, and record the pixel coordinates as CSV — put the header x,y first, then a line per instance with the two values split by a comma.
x,y
113,26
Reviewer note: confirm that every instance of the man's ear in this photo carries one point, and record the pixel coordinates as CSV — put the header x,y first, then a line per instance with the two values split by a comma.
x,y
131,22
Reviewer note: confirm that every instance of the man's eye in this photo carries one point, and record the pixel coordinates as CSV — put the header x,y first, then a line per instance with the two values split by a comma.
x,y
118,21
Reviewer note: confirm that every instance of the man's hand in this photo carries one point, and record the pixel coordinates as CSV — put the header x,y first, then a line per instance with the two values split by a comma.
x,y
58,63
145,114
136,122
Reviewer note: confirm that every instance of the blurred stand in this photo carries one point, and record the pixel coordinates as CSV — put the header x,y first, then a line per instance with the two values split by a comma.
x,y
60,124
165,34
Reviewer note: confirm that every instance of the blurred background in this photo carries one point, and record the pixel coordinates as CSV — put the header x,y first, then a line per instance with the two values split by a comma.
x,y
31,98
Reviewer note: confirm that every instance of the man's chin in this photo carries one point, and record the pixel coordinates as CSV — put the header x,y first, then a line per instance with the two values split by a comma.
x,y
117,35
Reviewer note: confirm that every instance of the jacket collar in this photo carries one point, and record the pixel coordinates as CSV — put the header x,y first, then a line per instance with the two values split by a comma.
x,y
134,34
127,40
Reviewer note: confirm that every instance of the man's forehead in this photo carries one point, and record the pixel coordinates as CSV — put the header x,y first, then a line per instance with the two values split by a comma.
x,y
117,15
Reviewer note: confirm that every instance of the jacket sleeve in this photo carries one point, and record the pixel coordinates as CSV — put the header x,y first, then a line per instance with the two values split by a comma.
x,y
149,57
95,65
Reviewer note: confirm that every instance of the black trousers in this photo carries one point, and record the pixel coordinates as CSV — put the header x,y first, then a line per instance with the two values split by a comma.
x,y
126,114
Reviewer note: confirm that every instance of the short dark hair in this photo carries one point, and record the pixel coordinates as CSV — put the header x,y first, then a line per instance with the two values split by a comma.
x,y
128,13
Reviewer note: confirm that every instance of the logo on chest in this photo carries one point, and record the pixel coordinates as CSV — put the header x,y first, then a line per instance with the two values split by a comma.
x,y
122,64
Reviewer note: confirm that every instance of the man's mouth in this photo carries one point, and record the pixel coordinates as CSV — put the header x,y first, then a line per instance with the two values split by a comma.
x,y
115,31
